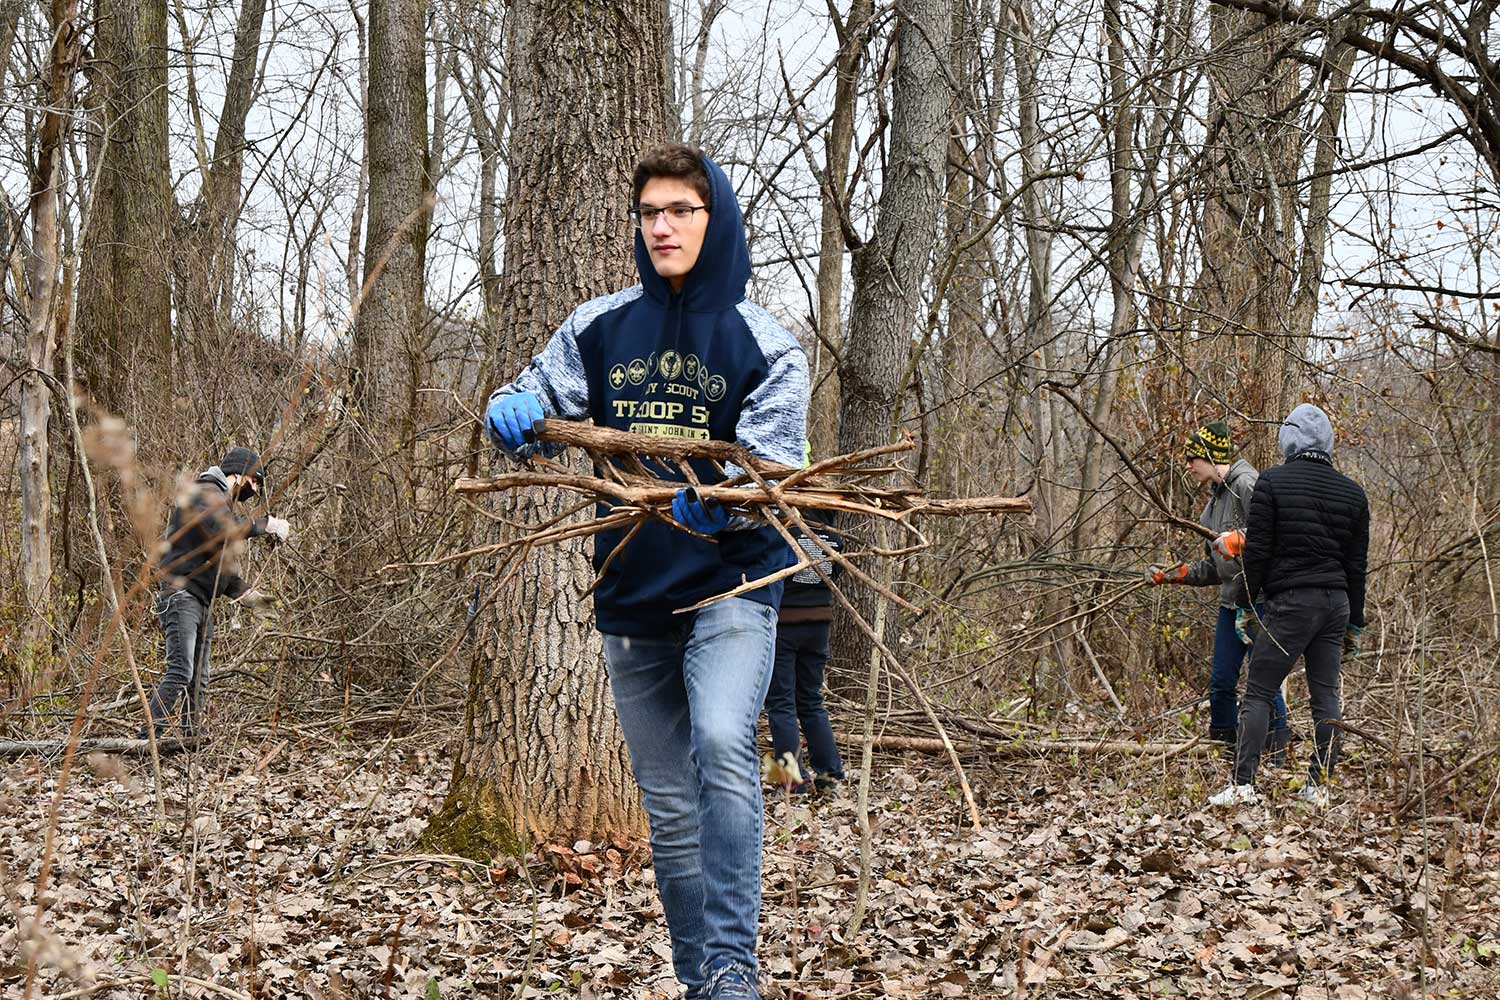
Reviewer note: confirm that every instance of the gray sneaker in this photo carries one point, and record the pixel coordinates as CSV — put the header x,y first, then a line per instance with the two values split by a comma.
x,y
731,983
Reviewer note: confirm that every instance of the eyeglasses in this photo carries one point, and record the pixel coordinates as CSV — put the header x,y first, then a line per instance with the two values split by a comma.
x,y
645,218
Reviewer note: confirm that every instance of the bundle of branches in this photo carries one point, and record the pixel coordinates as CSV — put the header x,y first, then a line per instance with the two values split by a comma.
x,y
631,495
750,487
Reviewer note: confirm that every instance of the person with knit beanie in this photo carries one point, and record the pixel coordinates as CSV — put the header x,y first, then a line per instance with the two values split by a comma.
x,y
198,562
1209,454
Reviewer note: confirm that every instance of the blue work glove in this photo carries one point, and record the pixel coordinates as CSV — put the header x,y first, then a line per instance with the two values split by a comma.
x,y
704,517
1351,639
1246,625
510,417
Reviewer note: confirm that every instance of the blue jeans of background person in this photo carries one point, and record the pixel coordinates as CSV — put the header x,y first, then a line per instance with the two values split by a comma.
x,y
1307,622
688,701
1224,681
796,696
188,627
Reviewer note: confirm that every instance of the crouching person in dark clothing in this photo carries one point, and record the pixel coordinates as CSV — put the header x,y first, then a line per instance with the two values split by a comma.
x,y
796,692
200,555
1305,552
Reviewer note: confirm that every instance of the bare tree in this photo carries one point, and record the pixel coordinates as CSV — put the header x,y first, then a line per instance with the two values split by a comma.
x,y
542,757
392,312
835,223
124,308
41,338
889,269
208,255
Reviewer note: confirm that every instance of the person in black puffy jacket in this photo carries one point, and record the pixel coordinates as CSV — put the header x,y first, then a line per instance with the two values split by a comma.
x,y
1305,550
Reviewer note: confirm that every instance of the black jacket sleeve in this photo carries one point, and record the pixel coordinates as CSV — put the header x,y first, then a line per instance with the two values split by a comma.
x,y
1260,539
1356,556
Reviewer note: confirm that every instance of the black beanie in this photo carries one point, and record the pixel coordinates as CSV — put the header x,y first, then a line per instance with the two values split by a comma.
x,y
1211,441
239,461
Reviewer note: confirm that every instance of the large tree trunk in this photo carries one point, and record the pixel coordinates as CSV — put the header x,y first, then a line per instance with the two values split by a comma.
x,y
41,340
392,313
124,307
1247,349
542,758
889,269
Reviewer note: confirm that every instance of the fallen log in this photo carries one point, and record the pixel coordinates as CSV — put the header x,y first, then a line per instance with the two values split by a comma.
x,y
21,748
1033,747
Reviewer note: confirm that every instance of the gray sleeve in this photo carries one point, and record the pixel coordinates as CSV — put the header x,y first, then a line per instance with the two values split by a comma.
x,y
1244,490
773,420
773,417
1203,572
556,376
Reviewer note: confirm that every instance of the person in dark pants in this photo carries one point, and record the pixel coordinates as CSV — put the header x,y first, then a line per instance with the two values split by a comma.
x,y
1209,454
1305,552
796,692
200,555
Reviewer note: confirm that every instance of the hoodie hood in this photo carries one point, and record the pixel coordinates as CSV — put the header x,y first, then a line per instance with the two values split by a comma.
x,y
717,281
214,474
1306,429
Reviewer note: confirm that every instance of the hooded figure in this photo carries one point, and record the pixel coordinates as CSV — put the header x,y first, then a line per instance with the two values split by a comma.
x,y
701,363
683,355
1305,553
1306,431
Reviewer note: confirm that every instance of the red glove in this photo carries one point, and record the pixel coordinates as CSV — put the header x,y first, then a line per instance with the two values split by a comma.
x,y
1231,544
1159,575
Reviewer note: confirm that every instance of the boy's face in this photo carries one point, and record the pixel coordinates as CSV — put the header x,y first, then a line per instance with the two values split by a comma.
x,y
672,244
1201,469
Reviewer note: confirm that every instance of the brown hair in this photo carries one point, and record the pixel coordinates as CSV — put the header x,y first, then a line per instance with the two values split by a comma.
x,y
673,159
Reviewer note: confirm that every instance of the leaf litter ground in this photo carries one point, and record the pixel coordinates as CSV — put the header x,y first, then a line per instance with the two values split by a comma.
x,y
292,871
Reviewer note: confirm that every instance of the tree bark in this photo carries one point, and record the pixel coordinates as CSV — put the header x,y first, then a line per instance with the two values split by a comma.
x,y
1247,349
41,340
124,308
392,313
822,425
889,269
542,757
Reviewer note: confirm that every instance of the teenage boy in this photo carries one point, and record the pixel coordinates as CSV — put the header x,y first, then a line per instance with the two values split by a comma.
x,y
1209,454
684,355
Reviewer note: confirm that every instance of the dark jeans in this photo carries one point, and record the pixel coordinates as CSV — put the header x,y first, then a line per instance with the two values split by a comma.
x,y
1305,621
1224,681
796,695
189,630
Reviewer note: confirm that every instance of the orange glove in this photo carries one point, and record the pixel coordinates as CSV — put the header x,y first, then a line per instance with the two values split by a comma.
x,y
1159,574
1231,544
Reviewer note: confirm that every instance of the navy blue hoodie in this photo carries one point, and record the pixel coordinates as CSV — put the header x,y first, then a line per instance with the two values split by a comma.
x,y
703,363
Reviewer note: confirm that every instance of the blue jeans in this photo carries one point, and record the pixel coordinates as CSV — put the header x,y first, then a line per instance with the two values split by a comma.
x,y
688,701
1224,680
796,695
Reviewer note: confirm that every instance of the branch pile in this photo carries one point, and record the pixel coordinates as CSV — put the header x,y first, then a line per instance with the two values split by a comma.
x,y
751,487
631,495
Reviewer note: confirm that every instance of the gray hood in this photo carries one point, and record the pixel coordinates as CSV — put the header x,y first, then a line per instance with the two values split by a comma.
x,y
214,474
1306,428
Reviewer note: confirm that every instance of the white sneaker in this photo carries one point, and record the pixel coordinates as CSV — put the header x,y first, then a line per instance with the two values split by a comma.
x,y
1235,795
1314,795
